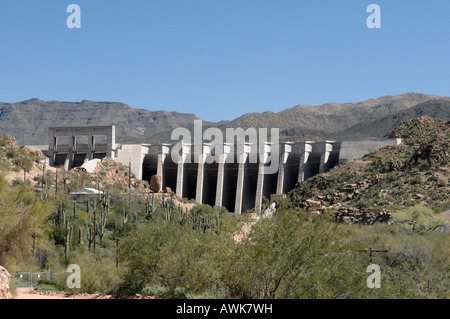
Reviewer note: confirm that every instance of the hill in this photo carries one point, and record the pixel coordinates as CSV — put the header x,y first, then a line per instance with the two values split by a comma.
x,y
439,108
394,178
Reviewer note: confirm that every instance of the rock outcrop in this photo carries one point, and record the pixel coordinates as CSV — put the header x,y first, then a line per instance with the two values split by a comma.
x,y
350,215
4,283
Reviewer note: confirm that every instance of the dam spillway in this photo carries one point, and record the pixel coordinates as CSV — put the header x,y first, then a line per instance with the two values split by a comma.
x,y
237,183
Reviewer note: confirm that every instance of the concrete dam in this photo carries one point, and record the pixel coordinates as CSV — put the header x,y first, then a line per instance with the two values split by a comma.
x,y
234,181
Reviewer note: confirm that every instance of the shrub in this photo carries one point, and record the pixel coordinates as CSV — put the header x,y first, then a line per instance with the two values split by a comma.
x,y
157,291
48,285
416,265
420,219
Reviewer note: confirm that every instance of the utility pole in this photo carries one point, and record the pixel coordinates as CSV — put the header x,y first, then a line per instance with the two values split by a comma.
x,y
371,251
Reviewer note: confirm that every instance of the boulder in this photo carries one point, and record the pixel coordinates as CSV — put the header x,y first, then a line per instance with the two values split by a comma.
x,y
346,220
4,283
167,190
90,166
156,183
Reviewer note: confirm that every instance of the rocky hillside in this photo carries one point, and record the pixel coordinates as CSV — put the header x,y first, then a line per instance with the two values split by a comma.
x,y
109,172
439,108
17,158
396,177
28,121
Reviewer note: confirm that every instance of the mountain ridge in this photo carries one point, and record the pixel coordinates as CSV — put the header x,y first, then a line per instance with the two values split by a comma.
x,y
28,120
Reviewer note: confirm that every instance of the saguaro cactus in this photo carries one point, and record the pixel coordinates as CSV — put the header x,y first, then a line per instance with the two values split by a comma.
x,y
61,219
105,202
204,221
150,208
124,215
168,207
80,236
102,223
90,236
67,237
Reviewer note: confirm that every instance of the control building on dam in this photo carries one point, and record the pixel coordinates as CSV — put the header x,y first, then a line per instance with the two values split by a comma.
x,y
234,181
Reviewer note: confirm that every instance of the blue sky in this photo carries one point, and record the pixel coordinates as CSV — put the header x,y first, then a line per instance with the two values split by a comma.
x,y
220,59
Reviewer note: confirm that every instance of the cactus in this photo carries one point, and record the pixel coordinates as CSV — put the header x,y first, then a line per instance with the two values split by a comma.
x,y
90,217
34,236
168,207
99,192
61,219
167,213
67,237
80,236
124,215
90,236
101,226
186,218
202,222
150,209
105,200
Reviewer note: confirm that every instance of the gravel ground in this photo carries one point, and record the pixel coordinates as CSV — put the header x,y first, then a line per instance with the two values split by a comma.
x,y
25,293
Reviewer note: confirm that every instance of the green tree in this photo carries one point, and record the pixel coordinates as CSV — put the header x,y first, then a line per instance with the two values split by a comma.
x,y
23,224
293,255
420,219
141,249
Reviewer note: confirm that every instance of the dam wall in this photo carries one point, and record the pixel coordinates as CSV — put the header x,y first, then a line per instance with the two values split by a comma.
x,y
237,180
